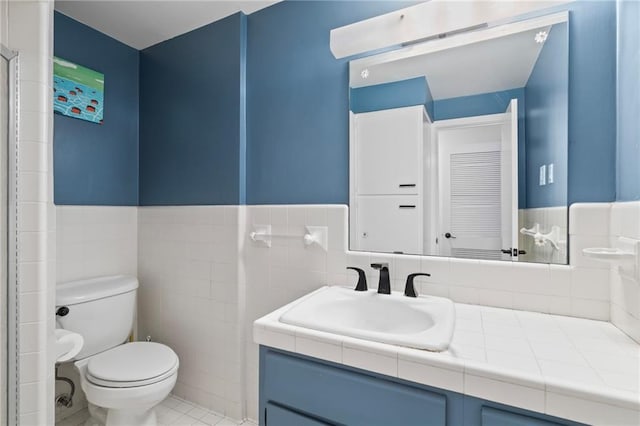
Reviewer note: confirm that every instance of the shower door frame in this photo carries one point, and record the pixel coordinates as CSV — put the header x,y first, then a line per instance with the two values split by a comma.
x,y
12,379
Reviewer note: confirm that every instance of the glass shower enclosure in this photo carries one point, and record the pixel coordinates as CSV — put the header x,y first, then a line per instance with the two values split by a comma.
x,y
9,379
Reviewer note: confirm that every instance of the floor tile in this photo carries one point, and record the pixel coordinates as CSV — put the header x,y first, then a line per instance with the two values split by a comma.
x,y
172,411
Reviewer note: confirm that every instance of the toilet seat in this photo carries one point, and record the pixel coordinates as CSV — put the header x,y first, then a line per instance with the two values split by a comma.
x,y
131,365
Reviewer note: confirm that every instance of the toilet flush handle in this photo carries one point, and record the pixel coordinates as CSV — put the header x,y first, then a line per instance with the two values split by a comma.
x,y
62,311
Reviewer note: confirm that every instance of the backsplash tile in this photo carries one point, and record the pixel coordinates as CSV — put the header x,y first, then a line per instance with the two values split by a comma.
x,y
590,219
625,292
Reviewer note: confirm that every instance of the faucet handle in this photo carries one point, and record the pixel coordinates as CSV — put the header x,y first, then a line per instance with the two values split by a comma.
x,y
409,289
379,266
362,279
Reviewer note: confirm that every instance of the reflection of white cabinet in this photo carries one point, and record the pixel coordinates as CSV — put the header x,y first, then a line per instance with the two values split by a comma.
x,y
389,223
387,180
388,151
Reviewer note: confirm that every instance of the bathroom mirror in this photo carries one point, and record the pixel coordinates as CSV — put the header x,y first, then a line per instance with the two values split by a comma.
x,y
459,145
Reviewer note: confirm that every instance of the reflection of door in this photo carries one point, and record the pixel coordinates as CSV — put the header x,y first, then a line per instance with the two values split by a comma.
x,y
477,185
510,179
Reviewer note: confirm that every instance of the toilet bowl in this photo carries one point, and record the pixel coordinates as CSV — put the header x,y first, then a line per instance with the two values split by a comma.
x,y
123,382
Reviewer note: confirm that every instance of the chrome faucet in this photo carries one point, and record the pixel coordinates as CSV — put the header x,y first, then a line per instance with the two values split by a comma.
x,y
384,284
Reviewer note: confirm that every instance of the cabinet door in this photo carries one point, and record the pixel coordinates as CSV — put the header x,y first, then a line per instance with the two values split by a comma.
x,y
495,417
389,223
346,397
280,416
388,151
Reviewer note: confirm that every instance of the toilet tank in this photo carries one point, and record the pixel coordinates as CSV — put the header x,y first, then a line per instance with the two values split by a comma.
x,y
100,309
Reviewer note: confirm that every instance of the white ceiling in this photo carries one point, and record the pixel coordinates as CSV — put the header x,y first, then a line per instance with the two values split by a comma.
x,y
489,66
143,23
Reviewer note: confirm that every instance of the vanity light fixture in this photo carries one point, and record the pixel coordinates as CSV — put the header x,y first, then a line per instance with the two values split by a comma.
x,y
365,73
425,20
541,37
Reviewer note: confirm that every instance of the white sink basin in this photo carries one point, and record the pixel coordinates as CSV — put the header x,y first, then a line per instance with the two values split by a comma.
x,y
423,322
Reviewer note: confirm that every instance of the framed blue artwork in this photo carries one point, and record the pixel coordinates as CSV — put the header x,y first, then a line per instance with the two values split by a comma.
x,y
78,91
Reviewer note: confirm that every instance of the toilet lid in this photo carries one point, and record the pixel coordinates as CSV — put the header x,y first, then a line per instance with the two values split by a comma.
x,y
133,364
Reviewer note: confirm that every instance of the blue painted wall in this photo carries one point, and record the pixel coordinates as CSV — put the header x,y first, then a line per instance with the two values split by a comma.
x,y
469,106
192,117
628,163
191,133
98,164
547,127
592,101
298,101
396,94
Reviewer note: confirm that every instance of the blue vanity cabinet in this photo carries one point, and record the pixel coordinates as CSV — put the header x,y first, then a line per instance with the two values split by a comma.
x,y
296,390
328,395
286,417
494,417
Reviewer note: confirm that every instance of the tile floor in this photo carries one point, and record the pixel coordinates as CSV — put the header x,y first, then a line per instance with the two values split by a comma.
x,y
172,412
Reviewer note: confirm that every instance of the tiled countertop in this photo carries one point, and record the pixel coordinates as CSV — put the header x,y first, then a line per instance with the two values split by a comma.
x,y
582,370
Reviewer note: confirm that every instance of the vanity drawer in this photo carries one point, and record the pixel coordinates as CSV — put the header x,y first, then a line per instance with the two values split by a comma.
x,y
280,416
496,417
339,396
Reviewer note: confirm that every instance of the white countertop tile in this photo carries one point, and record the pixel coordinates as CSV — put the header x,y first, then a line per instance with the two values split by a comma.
x,y
518,362
589,412
504,392
473,353
556,351
572,373
515,345
546,363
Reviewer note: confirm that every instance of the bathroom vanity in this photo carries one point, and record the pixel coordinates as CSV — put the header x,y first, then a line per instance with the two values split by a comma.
x,y
502,367
300,390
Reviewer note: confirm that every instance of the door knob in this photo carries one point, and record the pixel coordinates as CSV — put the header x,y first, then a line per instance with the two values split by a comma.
x,y
448,235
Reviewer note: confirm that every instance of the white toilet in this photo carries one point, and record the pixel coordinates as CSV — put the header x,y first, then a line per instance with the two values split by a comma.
x,y
123,381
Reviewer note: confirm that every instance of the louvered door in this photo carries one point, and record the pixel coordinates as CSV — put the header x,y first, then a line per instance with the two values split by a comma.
x,y
476,186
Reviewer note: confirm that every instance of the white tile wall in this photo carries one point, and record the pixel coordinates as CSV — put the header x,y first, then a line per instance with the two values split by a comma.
x,y
96,240
597,286
4,19
4,93
275,276
204,282
625,292
29,30
189,298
